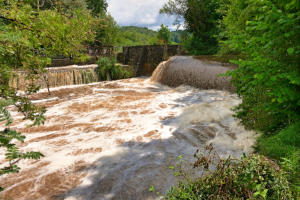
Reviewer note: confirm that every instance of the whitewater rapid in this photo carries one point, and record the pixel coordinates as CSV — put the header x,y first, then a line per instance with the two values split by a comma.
x,y
114,140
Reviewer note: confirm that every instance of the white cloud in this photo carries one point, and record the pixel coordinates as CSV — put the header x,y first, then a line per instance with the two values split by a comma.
x,y
143,13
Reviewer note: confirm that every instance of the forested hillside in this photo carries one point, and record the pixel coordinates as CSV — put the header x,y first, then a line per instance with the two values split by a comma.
x,y
133,36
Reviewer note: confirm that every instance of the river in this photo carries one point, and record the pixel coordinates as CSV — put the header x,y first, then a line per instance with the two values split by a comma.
x,y
116,139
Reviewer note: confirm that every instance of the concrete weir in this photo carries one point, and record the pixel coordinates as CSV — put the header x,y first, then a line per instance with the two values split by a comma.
x,y
61,76
186,70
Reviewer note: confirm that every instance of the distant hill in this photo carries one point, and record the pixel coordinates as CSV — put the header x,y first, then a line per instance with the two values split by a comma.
x,y
133,36
141,30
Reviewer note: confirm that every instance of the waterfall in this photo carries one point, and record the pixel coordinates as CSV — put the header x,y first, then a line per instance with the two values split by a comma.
x,y
186,70
59,76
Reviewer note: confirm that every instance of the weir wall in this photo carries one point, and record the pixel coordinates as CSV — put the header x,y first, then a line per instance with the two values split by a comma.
x,y
60,76
145,59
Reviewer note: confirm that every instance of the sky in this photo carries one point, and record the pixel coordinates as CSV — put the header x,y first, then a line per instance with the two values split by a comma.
x,y
143,13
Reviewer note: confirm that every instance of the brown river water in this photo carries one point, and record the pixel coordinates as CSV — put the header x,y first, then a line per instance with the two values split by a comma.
x,y
115,139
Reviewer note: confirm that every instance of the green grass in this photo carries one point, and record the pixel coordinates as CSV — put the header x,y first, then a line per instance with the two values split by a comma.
x,y
283,144
284,147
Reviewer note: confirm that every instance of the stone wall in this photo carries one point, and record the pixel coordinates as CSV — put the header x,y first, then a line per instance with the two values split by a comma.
x,y
94,54
145,59
62,62
139,60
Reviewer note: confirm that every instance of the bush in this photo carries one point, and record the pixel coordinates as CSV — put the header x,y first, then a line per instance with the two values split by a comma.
x,y
108,70
251,177
197,46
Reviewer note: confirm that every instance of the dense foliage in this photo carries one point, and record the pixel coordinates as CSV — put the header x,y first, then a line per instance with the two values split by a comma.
x,y
107,31
109,70
265,35
251,177
200,21
268,79
97,7
164,35
133,36
285,147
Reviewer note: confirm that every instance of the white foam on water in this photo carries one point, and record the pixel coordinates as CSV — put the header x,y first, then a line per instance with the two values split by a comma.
x,y
127,136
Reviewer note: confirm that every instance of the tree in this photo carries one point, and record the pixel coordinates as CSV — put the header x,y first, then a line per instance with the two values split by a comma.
x,y
97,7
106,29
29,37
164,35
200,20
265,34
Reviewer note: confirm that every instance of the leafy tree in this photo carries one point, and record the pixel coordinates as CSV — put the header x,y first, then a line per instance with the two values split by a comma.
x,y
200,20
265,34
176,36
97,7
29,37
109,70
164,35
106,29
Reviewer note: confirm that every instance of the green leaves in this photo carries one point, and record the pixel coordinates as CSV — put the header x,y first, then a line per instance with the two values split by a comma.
x,y
250,177
290,51
164,35
32,155
152,188
263,34
12,155
5,116
108,70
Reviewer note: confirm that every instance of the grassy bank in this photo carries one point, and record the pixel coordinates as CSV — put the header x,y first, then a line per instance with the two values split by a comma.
x,y
284,147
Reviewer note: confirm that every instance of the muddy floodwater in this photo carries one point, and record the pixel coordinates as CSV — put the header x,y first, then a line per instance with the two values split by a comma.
x,y
113,140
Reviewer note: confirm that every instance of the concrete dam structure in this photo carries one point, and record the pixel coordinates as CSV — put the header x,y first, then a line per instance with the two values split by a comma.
x,y
138,60
145,59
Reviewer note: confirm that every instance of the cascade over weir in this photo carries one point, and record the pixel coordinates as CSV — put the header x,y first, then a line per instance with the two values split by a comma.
x,y
115,139
62,76
186,70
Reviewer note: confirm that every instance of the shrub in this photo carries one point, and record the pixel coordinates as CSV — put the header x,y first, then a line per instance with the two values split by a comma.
x,y
251,177
108,70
